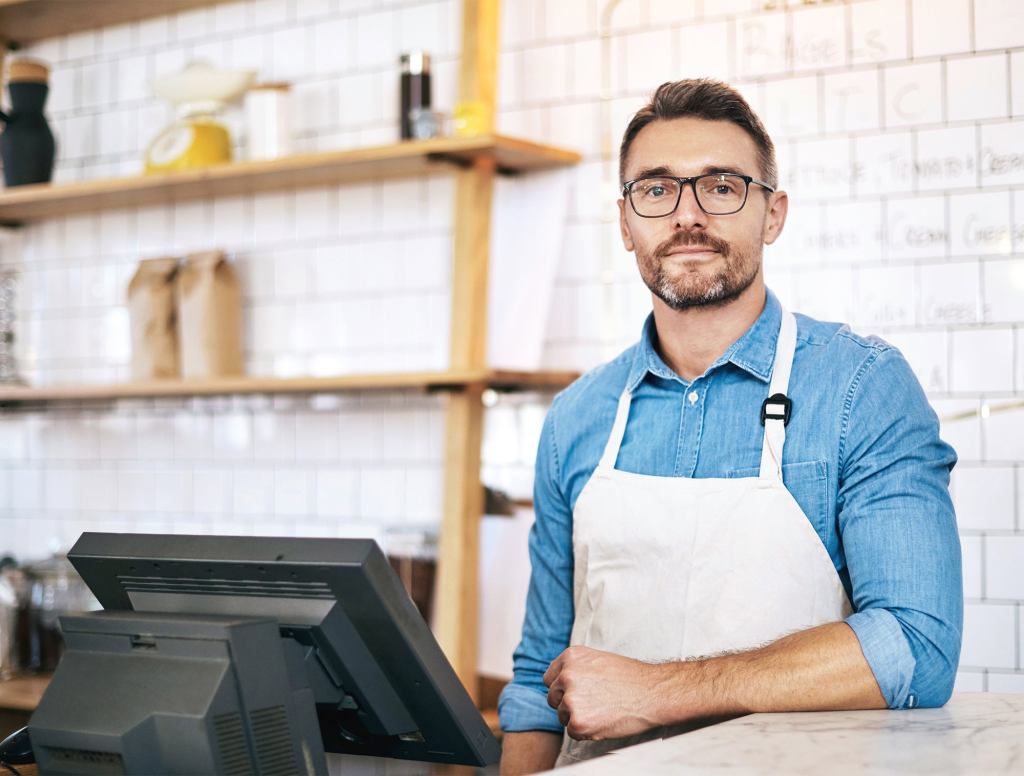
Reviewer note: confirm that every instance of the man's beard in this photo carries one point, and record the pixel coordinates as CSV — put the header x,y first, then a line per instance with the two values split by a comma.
x,y
696,289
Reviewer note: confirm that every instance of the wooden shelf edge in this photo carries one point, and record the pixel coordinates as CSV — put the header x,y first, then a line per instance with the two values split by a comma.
x,y
507,380
27,21
430,381
45,200
22,693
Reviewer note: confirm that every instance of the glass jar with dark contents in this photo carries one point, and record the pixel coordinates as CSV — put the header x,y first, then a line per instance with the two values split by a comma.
x,y
53,589
414,91
412,554
13,591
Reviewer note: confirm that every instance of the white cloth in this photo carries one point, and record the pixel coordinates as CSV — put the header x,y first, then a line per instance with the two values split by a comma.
x,y
673,568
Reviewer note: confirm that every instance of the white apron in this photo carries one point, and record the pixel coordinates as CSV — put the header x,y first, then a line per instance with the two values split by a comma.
x,y
672,568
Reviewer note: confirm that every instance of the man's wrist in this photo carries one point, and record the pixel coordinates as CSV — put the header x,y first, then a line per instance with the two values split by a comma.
x,y
692,689
529,752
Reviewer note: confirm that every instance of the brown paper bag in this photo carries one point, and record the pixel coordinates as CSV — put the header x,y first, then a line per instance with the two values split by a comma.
x,y
152,312
209,316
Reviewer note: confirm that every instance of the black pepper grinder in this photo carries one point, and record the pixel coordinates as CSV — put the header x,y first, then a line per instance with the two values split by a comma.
x,y
415,89
26,145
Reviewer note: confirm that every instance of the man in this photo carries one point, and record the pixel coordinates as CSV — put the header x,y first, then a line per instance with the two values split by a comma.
x,y
747,510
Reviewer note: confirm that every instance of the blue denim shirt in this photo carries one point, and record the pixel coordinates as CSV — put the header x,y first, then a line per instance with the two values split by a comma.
x,y
862,457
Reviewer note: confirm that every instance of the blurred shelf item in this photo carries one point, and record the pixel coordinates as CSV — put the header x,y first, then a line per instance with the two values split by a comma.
x,y
491,718
450,380
509,155
27,21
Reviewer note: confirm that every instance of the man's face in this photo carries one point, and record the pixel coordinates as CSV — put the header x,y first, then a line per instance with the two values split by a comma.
x,y
689,258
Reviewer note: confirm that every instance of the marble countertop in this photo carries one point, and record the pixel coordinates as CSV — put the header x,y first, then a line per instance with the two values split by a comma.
x,y
975,733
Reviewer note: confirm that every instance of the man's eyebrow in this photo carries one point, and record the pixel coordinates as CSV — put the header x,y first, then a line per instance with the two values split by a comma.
x,y
652,172
721,168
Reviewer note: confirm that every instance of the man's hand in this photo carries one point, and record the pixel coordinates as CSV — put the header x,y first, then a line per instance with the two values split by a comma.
x,y
600,695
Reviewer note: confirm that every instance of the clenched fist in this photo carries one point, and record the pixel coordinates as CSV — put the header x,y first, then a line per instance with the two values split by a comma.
x,y
600,695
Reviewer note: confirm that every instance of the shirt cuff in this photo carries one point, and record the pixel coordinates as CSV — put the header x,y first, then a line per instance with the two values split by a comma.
x,y
888,654
522,708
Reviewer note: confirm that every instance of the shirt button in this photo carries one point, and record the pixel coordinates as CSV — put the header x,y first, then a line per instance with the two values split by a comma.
x,y
692,397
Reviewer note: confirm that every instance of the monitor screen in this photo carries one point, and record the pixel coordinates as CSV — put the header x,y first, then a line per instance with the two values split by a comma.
x,y
381,683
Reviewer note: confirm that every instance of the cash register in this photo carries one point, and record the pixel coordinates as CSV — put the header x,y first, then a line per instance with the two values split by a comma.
x,y
231,655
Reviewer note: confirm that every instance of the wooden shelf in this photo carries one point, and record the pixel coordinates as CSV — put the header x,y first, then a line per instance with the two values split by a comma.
x,y
22,693
37,201
430,381
26,21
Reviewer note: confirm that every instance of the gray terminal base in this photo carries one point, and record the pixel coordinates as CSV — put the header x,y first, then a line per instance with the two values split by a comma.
x,y
139,693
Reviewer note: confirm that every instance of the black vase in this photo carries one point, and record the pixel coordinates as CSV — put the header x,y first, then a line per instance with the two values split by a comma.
x,y
27,145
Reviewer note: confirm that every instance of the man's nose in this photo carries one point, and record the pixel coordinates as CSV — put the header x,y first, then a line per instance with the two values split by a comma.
x,y
688,213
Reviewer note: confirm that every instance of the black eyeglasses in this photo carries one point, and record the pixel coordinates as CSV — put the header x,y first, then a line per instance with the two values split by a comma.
x,y
717,193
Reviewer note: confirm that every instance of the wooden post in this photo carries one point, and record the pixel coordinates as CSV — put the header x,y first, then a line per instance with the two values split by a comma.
x,y
474,190
478,69
456,619
456,612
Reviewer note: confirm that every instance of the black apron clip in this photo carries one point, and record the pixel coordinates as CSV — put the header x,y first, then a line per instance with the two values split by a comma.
x,y
777,407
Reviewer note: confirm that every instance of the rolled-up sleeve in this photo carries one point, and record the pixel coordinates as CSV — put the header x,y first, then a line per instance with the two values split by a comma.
x,y
549,605
899,534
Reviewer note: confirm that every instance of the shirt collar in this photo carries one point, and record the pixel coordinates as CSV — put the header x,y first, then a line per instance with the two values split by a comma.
x,y
754,352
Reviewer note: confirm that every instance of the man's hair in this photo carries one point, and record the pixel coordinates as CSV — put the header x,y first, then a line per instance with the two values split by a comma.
x,y
702,98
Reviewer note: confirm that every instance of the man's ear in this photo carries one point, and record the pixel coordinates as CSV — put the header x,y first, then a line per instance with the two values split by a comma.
x,y
627,238
775,219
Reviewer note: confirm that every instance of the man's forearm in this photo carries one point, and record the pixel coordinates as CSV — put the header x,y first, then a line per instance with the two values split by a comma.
x,y
529,752
819,669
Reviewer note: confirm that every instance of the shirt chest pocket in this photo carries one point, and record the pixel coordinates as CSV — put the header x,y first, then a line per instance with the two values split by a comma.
x,y
807,481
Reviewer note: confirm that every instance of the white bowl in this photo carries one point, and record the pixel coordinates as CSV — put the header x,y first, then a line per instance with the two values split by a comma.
x,y
201,82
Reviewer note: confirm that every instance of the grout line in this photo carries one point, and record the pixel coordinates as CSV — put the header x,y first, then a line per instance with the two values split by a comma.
x,y
1009,84
983,552
978,156
944,89
1018,518
946,226
1017,635
980,311
909,5
971,42
1018,350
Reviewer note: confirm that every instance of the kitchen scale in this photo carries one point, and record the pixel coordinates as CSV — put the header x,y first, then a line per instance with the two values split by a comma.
x,y
196,138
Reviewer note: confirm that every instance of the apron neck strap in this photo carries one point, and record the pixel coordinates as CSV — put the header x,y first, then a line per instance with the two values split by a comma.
x,y
775,428
611,448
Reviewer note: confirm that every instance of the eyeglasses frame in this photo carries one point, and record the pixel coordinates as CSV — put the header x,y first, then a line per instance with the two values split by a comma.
x,y
627,191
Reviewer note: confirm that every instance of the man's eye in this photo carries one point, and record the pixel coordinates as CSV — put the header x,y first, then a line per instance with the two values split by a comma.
x,y
656,191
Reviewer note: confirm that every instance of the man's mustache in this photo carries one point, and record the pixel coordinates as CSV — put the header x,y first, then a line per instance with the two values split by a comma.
x,y
692,239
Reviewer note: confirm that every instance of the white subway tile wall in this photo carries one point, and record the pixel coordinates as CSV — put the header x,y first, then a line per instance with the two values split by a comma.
x,y
899,127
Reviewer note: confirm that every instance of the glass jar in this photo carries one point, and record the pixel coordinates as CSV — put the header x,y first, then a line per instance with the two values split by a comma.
x,y
13,590
413,555
268,115
54,589
8,324
414,90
